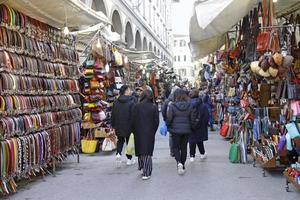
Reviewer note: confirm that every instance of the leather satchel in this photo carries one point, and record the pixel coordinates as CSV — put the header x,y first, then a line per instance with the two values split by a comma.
x,y
265,94
274,113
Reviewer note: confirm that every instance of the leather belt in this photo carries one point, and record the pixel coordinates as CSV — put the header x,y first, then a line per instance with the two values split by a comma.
x,y
39,101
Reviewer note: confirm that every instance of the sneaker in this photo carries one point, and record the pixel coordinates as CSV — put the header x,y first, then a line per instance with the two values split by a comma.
x,y
130,162
180,169
118,161
146,177
192,159
203,156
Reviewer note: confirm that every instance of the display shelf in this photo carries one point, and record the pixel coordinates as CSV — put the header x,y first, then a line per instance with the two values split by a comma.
x,y
269,165
290,180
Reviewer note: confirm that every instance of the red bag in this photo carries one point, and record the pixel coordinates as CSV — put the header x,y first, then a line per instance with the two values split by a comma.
x,y
224,130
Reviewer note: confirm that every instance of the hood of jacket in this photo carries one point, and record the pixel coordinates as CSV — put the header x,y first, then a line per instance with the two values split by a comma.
x,y
182,105
125,99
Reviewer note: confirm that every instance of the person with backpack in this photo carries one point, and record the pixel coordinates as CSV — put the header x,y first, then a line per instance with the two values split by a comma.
x,y
145,124
164,115
179,125
122,121
199,126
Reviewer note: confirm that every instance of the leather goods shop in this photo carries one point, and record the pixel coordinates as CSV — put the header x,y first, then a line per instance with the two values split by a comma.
x,y
257,87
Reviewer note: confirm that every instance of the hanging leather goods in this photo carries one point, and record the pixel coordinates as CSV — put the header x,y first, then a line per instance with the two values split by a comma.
x,y
267,39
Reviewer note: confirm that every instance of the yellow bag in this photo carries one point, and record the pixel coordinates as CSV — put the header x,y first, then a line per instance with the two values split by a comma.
x,y
118,57
87,117
89,146
130,149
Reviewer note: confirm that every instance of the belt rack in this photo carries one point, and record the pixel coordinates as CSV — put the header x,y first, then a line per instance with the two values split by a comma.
x,y
38,65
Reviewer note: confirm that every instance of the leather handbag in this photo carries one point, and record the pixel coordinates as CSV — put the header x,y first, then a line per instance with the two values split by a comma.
x,y
224,130
274,113
265,94
269,39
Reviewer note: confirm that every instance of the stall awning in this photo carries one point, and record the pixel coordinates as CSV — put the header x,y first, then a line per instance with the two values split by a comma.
x,y
140,57
55,12
213,18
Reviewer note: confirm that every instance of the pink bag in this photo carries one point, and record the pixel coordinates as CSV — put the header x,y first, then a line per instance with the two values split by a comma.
x,y
295,106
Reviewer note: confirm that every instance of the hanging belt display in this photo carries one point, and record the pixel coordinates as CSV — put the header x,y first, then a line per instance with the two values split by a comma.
x,y
39,97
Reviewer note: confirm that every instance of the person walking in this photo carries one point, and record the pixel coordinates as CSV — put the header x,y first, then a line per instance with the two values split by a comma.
x,y
122,121
145,125
199,135
208,103
164,115
179,124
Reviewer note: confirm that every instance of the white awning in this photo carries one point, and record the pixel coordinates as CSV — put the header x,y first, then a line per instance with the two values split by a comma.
x,y
213,18
140,57
55,12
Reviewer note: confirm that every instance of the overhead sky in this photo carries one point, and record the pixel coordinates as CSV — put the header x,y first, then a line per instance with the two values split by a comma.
x,y
182,12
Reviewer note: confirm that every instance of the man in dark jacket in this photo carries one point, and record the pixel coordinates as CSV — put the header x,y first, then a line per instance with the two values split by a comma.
x,y
122,121
164,114
179,125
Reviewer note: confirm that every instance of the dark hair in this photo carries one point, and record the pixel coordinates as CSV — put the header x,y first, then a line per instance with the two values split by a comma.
x,y
147,95
194,93
123,89
180,95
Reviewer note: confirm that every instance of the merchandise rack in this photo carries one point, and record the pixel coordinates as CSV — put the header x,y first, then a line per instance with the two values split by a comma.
x,y
290,180
271,164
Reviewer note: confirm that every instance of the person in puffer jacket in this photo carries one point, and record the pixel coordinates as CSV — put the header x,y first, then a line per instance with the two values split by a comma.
x,y
178,122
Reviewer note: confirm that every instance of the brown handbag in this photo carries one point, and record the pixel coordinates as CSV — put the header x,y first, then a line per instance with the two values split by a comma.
x,y
274,113
265,94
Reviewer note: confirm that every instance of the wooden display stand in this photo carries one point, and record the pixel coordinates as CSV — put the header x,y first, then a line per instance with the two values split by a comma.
x,y
267,165
290,180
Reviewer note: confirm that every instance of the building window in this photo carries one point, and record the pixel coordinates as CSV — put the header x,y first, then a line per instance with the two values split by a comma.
x,y
178,59
175,43
182,72
184,58
175,58
182,43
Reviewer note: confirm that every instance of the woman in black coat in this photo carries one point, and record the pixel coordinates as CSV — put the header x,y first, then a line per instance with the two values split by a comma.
x,y
179,115
201,134
122,121
146,122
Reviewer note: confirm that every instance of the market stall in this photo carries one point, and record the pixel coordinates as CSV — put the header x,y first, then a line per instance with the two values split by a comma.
x,y
259,64
40,104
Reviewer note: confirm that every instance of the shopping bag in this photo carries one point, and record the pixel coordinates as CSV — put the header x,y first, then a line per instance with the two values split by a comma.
x,y
234,153
130,149
89,146
224,130
108,145
163,129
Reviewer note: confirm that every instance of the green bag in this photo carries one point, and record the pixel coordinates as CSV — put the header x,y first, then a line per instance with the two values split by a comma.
x,y
130,149
234,153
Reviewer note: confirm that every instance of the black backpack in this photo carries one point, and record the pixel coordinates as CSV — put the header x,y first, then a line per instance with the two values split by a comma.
x,y
195,118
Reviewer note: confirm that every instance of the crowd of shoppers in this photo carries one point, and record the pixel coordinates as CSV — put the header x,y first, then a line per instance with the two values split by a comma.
x,y
137,113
